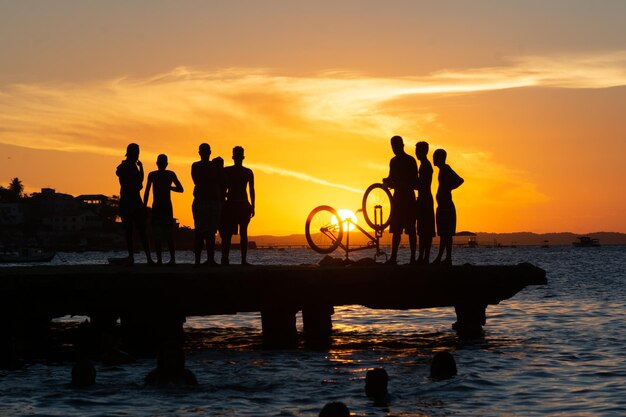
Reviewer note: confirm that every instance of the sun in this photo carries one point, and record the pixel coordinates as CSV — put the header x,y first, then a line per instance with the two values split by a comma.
x,y
346,214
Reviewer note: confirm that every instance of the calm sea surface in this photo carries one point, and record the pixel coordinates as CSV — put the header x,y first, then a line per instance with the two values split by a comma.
x,y
558,349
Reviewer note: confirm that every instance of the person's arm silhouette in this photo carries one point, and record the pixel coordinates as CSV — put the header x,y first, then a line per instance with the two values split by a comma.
x,y
252,194
146,194
178,187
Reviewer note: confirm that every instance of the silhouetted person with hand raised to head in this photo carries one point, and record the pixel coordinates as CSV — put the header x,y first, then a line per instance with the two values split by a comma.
x,y
446,212
162,210
403,179
237,209
425,205
131,208
207,177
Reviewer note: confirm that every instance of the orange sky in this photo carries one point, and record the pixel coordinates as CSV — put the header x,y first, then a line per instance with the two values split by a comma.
x,y
532,119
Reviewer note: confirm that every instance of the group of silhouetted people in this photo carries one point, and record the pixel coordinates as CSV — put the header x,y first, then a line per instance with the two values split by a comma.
x,y
220,204
416,217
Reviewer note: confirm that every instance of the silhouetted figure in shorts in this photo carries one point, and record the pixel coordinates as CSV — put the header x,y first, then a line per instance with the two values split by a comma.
x,y
207,177
131,208
446,212
425,205
403,179
238,210
162,210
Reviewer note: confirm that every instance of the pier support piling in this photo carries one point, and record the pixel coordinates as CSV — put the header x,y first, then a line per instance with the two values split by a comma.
x,y
318,325
279,328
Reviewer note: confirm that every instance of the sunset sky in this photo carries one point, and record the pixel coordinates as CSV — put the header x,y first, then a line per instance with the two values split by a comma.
x,y
528,98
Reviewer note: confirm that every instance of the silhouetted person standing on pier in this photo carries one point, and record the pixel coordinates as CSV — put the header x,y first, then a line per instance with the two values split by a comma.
x,y
207,177
131,208
403,179
237,209
162,210
446,212
425,204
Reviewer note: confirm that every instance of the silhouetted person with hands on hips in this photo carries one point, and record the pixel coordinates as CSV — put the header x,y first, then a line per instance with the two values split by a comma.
x,y
207,177
425,205
446,212
131,208
237,209
162,210
403,179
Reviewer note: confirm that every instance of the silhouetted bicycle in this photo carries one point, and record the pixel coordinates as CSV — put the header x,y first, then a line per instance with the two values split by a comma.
x,y
325,229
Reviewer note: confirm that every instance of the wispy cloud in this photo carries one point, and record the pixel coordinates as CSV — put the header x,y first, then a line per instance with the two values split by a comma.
x,y
186,105
304,177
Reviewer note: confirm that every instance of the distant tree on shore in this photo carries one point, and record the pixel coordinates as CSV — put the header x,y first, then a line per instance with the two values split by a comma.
x,y
14,192
16,187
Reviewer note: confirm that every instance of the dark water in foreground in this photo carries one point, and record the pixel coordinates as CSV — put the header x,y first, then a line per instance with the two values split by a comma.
x,y
552,350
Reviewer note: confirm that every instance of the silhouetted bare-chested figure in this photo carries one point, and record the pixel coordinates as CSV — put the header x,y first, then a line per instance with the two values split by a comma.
x,y
446,212
403,179
162,210
237,209
132,210
425,204
207,176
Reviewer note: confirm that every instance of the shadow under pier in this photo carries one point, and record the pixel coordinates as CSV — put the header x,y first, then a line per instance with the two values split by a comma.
x,y
153,302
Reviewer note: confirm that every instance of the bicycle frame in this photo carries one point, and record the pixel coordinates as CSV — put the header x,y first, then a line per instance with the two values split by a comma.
x,y
374,241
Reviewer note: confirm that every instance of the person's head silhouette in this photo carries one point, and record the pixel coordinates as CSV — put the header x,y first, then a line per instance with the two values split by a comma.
x,y
439,157
376,383
397,145
443,366
162,161
335,409
204,150
421,149
132,152
238,154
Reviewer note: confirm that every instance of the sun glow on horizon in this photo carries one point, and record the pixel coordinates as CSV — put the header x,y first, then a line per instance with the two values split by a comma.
x,y
345,215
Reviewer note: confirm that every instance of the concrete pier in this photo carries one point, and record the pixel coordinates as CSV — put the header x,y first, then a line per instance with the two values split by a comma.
x,y
154,300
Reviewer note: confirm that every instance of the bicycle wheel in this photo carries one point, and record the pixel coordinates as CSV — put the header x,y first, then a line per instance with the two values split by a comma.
x,y
377,206
323,229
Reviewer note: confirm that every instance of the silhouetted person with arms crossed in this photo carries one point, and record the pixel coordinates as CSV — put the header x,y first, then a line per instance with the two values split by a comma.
x,y
446,212
131,208
425,204
207,177
237,209
403,179
162,210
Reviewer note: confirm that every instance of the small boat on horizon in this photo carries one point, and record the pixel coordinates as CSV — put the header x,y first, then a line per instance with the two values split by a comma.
x,y
586,242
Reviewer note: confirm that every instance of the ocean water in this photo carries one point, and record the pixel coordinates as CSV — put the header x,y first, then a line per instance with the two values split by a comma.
x,y
557,349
